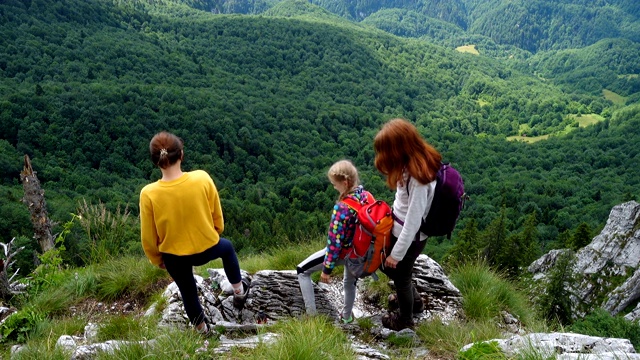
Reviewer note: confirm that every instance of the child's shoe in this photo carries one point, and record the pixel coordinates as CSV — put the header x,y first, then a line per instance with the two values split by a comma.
x,y
347,321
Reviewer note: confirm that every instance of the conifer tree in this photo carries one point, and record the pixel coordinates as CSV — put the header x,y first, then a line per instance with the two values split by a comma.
x,y
508,258
581,237
494,239
466,245
555,302
563,240
529,241
520,249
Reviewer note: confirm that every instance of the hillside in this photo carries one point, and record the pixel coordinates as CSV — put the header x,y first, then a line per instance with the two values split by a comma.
x,y
610,64
529,25
264,115
267,94
510,31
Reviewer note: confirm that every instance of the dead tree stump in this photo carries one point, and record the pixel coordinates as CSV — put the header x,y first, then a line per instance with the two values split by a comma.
x,y
34,199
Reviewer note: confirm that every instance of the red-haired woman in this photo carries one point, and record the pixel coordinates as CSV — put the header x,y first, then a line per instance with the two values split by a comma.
x,y
410,165
181,221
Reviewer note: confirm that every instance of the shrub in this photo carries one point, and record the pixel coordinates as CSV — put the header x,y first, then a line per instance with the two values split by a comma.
x,y
18,325
109,233
601,323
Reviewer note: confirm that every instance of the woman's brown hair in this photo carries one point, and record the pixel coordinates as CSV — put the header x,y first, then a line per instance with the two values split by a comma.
x,y
166,149
399,146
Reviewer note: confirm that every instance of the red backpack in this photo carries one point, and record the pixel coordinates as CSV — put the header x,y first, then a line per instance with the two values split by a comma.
x,y
372,238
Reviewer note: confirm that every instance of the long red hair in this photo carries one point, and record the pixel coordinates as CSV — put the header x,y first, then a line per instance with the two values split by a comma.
x,y
399,146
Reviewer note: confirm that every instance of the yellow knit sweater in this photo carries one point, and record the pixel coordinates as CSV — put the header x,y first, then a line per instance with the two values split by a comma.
x,y
181,216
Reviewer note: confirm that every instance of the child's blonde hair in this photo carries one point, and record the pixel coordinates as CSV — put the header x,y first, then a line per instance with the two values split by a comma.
x,y
344,170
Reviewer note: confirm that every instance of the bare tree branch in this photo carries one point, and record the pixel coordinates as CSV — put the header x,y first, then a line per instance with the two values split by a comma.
x,y
8,287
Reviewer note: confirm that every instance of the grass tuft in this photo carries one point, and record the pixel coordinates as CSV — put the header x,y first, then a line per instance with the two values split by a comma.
x,y
126,328
485,293
309,338
126,276
447,339
172,345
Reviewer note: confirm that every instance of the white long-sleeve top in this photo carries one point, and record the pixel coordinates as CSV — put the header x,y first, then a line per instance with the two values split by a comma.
x,y
410,207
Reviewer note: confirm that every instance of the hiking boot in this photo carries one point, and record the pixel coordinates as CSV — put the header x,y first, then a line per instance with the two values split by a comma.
x,y
418,304
240,299
394,322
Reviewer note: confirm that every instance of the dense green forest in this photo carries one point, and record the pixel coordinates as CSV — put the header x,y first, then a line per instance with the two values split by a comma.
x,y
265,103
532,25
611,64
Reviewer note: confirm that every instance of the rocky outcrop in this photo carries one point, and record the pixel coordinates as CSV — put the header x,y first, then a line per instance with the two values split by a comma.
x,y
564,346
606,270
275,295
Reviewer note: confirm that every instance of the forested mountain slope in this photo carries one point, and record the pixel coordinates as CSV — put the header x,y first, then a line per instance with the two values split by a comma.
x,y
611,64
531,25
267,103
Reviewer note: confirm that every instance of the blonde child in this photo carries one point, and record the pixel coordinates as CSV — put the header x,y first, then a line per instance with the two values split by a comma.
x,y
343,175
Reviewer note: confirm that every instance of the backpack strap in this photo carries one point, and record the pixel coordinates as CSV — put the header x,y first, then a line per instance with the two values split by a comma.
x,y
352,204
355,204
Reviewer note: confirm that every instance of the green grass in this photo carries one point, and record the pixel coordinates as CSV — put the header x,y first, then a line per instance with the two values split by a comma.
x,y
485,294
41,351
54,301
613,97
53,329
377,291
471,49
121,327
314,337
583,121
601,323
528,139
587,119
482,350
445,340
126,276
170,345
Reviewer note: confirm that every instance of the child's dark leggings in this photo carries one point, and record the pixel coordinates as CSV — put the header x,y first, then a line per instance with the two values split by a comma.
x,y
402,276
181,270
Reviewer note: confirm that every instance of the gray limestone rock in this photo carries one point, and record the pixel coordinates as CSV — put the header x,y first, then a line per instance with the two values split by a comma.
x,y
607,268
568,345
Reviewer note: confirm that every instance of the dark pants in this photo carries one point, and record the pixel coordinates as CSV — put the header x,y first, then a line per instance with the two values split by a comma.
x,y
181,270
401,277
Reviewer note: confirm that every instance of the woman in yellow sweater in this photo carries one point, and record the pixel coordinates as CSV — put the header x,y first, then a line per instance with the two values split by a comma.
x,y
181,221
